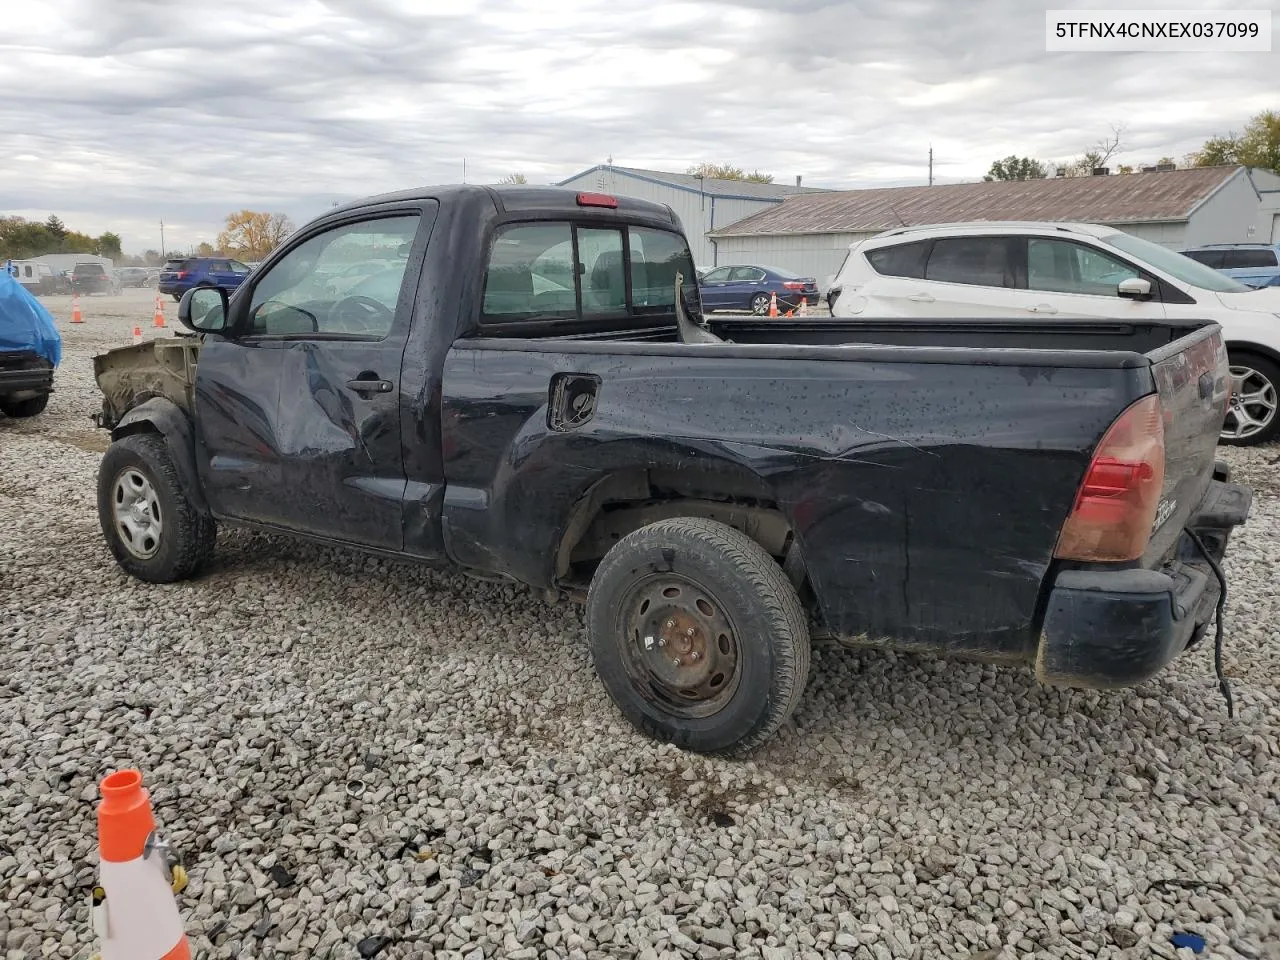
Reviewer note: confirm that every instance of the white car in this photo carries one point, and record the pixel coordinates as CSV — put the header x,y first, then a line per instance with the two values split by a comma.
x,y
1069,270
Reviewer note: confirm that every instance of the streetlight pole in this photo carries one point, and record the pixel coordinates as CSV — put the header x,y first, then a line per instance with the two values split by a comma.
x,y
162,252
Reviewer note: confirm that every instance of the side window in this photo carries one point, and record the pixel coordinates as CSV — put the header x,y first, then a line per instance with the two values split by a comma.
x,y
902,260
1237,259
656,257
1063,267
530,273
718,275
238,267
345,281
748,274
604,283
1210,258
27,270
983,261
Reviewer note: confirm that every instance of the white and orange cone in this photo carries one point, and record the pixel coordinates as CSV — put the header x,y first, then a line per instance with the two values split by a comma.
x,y
134,913
158,321
804,307
773,304
137,333
76,315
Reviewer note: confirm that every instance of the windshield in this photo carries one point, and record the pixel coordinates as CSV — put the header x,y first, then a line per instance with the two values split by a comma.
x,y
1175,264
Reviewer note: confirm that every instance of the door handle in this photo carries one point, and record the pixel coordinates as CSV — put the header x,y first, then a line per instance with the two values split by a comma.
x,y
920,298
1043,308
370,386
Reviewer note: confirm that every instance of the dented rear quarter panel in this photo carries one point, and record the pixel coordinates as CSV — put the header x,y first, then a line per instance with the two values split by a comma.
x,y
927,495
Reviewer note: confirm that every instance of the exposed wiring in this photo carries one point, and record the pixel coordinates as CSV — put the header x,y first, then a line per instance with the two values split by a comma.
x,y
1223,683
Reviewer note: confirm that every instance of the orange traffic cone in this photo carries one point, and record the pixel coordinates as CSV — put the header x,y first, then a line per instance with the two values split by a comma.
x,y
137,333
159,318
804,307
773,304
76,315
134,913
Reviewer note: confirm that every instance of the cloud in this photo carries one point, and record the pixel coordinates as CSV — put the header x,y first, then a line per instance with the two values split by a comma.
x,y
117,115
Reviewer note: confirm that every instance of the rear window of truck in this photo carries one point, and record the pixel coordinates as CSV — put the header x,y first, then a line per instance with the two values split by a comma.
x,y
551,272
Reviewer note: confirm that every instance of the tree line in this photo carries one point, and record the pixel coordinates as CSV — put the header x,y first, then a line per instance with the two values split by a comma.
x,y
21,239
1258,145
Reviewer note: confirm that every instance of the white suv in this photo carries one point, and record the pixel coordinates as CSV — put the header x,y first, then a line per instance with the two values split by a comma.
x,y
1069,270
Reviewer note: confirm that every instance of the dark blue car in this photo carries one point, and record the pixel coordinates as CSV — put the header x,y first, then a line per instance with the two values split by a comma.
x,y
750,289
179,276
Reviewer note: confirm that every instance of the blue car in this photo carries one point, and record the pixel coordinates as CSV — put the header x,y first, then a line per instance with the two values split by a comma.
x,y
750,289
179,276
1253,264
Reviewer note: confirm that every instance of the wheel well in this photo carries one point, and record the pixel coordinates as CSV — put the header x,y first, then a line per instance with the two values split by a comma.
x,y
623,503
1238,346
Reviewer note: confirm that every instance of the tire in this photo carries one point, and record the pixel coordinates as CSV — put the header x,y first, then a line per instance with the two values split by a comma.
x,y
734,636
1254,416
760,304
184,536
176,296
31,407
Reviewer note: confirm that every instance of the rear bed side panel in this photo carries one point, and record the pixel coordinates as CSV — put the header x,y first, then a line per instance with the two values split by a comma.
x,y
1194,383
927,497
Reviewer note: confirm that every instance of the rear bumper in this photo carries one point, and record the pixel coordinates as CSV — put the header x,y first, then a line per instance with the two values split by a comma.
x,y
172,288
27,379
1116,628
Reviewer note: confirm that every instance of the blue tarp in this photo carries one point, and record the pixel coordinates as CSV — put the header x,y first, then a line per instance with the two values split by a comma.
x,y
24,322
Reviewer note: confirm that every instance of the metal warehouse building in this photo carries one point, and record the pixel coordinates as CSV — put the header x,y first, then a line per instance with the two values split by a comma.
x,y
811,233
701,203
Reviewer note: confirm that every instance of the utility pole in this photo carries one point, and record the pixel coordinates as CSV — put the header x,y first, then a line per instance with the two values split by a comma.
x,y
931,164
162,253
464,169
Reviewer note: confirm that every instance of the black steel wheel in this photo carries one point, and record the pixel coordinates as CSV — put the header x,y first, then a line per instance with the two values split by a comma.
x,y
698,636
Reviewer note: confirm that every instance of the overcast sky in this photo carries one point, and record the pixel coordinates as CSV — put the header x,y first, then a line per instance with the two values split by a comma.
x,y
117,113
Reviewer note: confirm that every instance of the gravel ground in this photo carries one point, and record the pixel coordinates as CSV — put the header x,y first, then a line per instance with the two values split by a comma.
x,y
488,801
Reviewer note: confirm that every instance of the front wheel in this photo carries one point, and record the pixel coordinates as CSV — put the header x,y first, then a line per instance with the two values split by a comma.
x,y
698,636
760,304
31,407
151,526
1252,414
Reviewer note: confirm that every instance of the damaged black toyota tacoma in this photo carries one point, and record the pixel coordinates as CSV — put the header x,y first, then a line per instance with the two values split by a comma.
x,y
517,383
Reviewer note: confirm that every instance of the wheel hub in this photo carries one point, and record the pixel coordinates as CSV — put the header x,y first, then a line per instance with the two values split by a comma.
x,y
684,652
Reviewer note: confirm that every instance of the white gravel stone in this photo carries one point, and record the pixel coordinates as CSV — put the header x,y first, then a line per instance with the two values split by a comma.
x,y
916,808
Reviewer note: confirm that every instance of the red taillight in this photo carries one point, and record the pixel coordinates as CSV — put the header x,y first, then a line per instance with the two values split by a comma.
x,y
1118,499
597,200
790,285
181,274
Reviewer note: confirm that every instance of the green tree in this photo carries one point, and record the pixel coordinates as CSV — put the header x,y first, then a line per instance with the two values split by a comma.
x,y
109,245
727,171
1257,146
55,227
1017,168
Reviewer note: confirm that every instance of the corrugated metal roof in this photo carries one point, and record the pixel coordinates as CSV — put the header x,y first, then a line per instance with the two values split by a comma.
x,y
709,185
1122,198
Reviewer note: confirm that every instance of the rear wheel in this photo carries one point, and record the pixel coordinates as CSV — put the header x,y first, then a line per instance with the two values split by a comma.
x,y
698,636
1252,416
150,524
30,407
760,304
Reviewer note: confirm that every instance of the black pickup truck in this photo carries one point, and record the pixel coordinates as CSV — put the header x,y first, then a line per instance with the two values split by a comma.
x,y
516,382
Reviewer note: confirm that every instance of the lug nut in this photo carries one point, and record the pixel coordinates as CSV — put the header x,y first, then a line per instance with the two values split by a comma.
x,y
670,624
696,655
676,662
689,632
662,641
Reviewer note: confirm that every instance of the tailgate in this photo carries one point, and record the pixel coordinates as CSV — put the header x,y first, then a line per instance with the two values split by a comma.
x,y
1194,384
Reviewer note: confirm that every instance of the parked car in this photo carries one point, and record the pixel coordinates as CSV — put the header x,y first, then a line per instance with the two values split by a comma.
x,y
91,277
706,499
179,276
1042,270
30,349
748,288
1253,264
131,276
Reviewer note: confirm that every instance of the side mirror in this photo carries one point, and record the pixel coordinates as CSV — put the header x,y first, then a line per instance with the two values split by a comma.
x,y
203,309
1134,288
